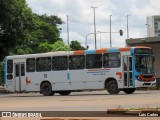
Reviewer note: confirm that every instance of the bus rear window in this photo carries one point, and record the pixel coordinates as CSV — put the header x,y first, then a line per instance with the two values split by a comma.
x,y
9,66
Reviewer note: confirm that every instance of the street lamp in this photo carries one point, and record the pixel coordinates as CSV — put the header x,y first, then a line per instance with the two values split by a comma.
x,y
110,32
94,26
87,36
148,31
67,30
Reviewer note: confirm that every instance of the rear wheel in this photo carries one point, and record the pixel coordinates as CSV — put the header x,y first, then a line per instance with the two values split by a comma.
x,y
64,92
112,87
46,89
129,90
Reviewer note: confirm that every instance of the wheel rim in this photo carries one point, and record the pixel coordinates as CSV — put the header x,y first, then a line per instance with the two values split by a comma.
x,y
46,88
113,87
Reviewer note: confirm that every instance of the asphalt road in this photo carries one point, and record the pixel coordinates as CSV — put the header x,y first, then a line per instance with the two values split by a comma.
x,y
78,101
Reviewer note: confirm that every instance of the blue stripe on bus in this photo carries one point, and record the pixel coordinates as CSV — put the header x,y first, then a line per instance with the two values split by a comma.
x,y
5,70
68,76
98,72
111,50
90,51
132,50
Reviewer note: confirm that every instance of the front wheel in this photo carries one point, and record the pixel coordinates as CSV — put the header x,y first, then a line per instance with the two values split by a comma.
x,y
112,87
46,89
129,90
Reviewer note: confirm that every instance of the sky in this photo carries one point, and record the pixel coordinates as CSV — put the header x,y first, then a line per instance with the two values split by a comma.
x,y
81,19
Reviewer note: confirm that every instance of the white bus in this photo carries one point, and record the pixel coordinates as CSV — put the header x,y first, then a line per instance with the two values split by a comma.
x,y
113,69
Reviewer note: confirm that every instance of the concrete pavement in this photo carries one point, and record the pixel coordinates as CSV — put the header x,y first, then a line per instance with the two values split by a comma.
x,y
2,90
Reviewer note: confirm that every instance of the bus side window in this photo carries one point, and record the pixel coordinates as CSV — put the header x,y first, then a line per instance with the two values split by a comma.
x,y
76,62
93,61
30,65
43,64
59,63
111,60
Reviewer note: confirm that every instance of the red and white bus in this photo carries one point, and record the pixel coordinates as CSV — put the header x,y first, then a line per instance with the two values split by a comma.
x,y
113,69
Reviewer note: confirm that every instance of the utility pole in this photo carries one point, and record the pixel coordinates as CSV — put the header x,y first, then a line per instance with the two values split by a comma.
x,y
94,26
67,31
127,27
110,32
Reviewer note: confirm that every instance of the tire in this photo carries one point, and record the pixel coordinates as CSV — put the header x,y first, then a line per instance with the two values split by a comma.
x,y
64,92
46,89
129,90
112,87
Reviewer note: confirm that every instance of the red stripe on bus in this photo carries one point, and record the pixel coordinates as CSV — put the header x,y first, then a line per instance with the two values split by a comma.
x,y
27,81
120,74
124,49
101,50
79,52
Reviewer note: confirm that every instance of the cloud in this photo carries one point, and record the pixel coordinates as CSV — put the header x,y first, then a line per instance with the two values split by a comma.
x,y
81,18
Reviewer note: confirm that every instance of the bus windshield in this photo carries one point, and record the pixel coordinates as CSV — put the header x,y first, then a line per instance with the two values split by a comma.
x,y
144,64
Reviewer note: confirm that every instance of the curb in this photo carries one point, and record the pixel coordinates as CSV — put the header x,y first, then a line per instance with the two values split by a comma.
x,y
136,112
2,90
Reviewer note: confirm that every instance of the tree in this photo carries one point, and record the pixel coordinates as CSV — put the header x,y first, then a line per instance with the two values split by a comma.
x,y
57,46
60,46
75,45
16,21
46,32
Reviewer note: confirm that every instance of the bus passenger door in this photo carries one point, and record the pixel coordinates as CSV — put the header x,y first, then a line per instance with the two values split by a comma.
x,y
128,71
19,77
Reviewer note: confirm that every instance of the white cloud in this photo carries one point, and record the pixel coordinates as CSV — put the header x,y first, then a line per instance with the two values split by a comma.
x,y
81,18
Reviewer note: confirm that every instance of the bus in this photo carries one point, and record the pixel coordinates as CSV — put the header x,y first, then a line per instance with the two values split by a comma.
x,y
112,69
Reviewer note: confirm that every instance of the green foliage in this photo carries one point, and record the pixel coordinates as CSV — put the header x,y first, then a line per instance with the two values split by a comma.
x,y
44,47
15,23
57,46
75,45
45,32
60,46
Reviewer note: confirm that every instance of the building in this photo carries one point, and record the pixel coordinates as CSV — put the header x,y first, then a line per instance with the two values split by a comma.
x,y
154,43
153,26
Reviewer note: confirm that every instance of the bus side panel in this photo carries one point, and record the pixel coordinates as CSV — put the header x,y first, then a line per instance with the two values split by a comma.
x,y
77,79
95,78
60,80
33,81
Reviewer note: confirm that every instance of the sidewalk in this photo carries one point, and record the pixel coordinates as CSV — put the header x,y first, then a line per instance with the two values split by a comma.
x,y
2,90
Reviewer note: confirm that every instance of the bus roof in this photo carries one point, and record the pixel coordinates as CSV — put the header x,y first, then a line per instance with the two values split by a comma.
x,y
79,52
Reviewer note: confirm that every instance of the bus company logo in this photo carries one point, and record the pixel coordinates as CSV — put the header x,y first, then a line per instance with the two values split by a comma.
x,y
6,114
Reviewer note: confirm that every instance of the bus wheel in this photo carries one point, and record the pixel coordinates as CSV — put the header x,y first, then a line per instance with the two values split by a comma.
x,y
64,92
129,90
112,87
46,89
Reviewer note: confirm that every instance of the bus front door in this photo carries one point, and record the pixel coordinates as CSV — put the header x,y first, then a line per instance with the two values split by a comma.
x,y
128,71
19,77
